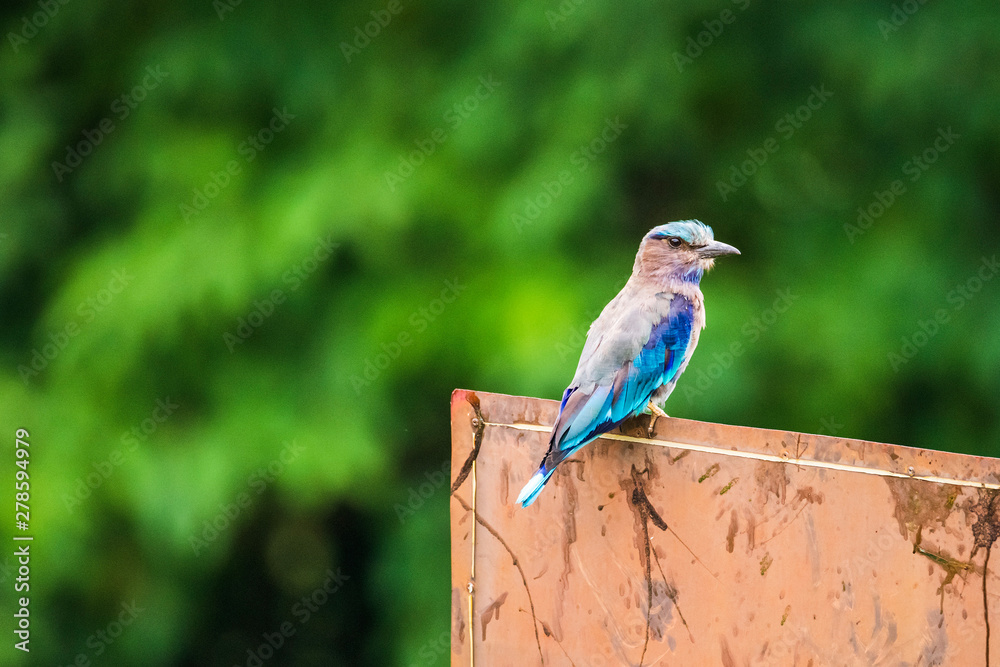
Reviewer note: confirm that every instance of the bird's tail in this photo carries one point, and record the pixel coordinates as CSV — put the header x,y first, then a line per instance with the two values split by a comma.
x,y
534,486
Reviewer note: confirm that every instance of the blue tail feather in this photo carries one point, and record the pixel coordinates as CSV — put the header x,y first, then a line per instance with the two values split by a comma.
x,y
534,486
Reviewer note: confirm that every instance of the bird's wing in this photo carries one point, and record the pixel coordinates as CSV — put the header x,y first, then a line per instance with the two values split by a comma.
x,y
636,349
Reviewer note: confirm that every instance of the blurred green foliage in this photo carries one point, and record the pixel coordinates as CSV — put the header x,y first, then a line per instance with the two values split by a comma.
x,y
439,209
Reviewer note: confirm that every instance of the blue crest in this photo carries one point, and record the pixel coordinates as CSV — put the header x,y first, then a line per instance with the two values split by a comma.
x,y
694,232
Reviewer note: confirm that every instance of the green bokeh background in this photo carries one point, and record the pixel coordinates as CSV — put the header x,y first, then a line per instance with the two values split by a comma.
x,y
527,287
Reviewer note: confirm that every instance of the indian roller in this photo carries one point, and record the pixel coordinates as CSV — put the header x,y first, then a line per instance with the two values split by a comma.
x,y
639,345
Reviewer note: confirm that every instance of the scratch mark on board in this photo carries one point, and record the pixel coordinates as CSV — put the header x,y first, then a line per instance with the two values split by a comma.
x,y
647,513
479,426
524,580
660,523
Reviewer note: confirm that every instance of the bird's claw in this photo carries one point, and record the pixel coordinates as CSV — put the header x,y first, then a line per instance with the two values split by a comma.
x,y
656,413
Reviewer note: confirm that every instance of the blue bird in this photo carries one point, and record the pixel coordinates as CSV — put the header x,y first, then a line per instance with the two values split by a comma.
x,y
639,345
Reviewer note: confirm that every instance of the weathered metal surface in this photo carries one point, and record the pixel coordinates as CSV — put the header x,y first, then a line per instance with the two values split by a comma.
x,y
757,547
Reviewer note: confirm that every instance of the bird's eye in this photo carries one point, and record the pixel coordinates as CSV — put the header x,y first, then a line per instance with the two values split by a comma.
x,y
674,241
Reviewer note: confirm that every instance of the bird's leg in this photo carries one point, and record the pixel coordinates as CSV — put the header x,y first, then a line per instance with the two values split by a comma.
x,y
657,412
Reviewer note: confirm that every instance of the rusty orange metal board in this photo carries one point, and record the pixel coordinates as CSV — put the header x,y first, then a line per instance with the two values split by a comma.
x,y
707,544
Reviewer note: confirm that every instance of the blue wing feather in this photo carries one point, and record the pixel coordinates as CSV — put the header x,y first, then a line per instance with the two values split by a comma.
x,y
655,365
584,415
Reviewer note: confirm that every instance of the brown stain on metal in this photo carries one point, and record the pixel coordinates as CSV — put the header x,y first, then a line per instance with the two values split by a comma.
x,y
650,468
734,528
505,482
644,512
568,467
751,529
770,477
492,612
919,504
570,499
950,565
479,427
985,531
807,494
641,520
458,624
727,655
803,498
654,516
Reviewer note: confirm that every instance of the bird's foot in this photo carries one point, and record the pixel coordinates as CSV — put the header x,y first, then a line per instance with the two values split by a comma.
x,y
657,412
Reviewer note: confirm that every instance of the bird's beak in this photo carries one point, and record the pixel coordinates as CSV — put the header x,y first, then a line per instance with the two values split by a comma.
x,y
717,249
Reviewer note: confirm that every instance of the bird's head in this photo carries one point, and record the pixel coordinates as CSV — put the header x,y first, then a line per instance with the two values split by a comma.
x,y
680,250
